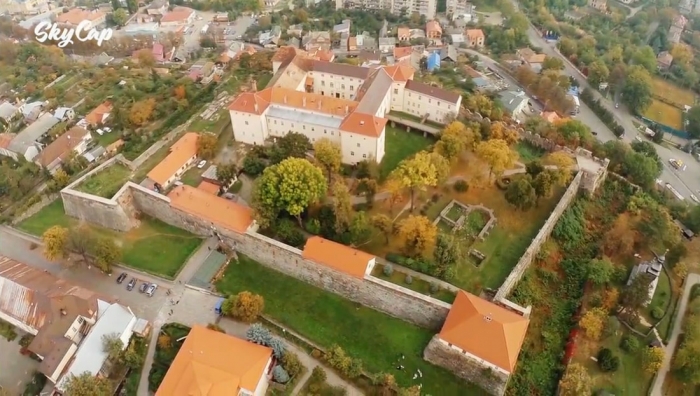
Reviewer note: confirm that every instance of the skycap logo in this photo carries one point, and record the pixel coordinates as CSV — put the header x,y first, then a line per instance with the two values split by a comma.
x,y
84,32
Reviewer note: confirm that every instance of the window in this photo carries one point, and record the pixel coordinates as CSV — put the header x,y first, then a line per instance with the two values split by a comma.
x,y
275,122
364,155
420,97
325,131
292,125
358,144
396,91
323,83
352,153
449,107
430,101
342,86
81,320
331,85
246,122
352,87
303,127
438,103
332,133
312,129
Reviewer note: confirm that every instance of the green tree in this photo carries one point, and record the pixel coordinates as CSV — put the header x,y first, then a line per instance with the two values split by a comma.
x,y
418,234
416,174
497,155
445,254
521,193
342,206
226,172
360,229
693,126
107,253
132,6
641,169
645,58
292,185
329,155
543,184
82,240
383,224
87,384
112,345
634,296
636,93
575,382
119,16
600,271
291,145
598,73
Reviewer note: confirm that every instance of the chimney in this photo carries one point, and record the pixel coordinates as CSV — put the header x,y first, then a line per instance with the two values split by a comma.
x,y
303,101
255,86
285,99
362,122
256,107
63,312
347,109
488,318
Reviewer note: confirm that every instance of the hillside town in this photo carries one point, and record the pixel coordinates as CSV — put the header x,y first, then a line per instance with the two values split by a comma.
x,y
348,198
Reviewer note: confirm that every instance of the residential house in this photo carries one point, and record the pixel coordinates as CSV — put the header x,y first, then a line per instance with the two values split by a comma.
x,y
64,113
294,42
343,27
650,269
433,30
13,7
417,34
366,42
97,117
664,60
27,143
551,116
460,9
179,16
221,17
322,55
344,103
95,154
214,363
295,30
341,42
686,7
384,30
531,59
157,50
352,44
403,34
210,176
270,37
158,8
67,321
433,62
96,60
475,38
8,112
514,102
448,53
373,57
316,39
396,7
458,39
182,156
31,111
479,333
600,5
402,54
30,22
676,29
74,141
76,15
327,253
387,44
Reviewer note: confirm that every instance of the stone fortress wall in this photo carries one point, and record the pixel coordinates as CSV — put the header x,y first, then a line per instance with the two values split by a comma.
x,y
122,211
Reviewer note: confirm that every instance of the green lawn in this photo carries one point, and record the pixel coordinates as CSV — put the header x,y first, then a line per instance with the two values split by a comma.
x,y
527,152
193,176
418,285
400,145
325,318
106,139
107,182
662,297
154,247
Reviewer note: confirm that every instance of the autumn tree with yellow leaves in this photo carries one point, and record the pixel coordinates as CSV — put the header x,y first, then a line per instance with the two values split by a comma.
x,y
497,155
417,234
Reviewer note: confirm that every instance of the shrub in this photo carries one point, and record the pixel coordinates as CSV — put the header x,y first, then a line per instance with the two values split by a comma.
x,y
461,186
355,368
253,165
313,226
278,347
607,361
435,197
316,354
318,375
395,258
409,279
291,363
286,231
258,334
503,183
25,340
388,270
247,306
236,187
338,359
280,375
434,288
657,313
629,343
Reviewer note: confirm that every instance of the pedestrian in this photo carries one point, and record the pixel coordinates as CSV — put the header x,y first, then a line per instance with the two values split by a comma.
x,y
415,376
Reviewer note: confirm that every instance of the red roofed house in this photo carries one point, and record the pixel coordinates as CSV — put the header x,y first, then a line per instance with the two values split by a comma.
x,y
178,16
343,103
97,116
479,336
475,38
433,30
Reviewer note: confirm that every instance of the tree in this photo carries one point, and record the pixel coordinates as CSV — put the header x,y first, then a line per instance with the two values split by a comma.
x,y
383,224
81,240
247,306
112,345
445,254
107,253
360,230
500,130
416,174
575,382
86,384
258,334
600,271
55,243
292,185
417,233
610,298
120,16
640,169
206,146
636,294
132,6
598,73
521,193
291,363
637,91
368,188
644,59
592,323
142,111
497,155
280,375
543,184
553,63
652,359
61,178
293,144
131,357
164,341
329,155
607,361
225,173
455,138
563,161
342,206
693,125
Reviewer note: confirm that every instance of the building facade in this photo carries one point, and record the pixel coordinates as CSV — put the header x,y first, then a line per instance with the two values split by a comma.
x,y
422,7
343,103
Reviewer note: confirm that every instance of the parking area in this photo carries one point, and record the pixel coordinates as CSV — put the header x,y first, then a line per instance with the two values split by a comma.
x,y
16,370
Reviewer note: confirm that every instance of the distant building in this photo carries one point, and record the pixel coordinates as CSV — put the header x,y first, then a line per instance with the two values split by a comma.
x,y
433,30
387,44
397,7
73,141
475,38
600,5
433,61
75,16
514,102
664,60
178,16
181,157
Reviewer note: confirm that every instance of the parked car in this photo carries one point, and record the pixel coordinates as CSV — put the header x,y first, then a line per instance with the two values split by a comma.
x,y
131,284
201,164
143,287
694,198
678,164
151,289
121,277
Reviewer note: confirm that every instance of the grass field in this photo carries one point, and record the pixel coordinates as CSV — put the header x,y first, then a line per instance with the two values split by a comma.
x,y
154,247
662,296
672,92
326,319
527,152
665,114
107,182
400,145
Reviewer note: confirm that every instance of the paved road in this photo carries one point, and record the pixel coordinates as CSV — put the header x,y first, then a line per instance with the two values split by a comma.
x,y
684,181
692,280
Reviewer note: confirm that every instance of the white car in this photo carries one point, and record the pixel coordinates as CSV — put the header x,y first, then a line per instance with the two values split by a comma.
x,y
151,289
201,164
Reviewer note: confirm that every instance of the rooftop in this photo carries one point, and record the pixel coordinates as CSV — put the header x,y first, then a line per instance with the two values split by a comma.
x,y
178,14
435,92
62,147
336,256
214,364
219,211
76,15
180,152
96,116
29,135
486,330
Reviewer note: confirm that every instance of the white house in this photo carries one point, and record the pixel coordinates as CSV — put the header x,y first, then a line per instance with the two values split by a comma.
x,y
64,113
27,142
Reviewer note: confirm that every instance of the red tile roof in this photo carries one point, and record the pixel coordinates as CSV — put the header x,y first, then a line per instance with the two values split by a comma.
x,y
363,124
339,257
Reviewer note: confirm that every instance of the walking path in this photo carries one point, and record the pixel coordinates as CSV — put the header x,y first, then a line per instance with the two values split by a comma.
x,y
657,388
